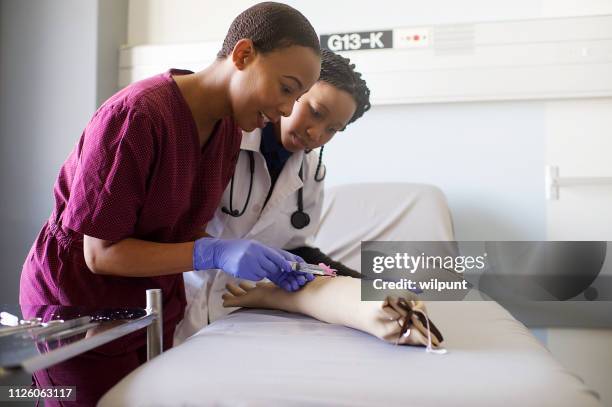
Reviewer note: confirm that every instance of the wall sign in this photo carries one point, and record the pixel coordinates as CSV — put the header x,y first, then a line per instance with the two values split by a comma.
x,y
357,40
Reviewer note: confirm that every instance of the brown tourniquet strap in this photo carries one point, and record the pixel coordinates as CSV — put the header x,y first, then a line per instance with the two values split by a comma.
x,y
422,318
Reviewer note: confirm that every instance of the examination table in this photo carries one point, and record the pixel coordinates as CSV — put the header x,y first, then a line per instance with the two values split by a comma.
x,y
273,358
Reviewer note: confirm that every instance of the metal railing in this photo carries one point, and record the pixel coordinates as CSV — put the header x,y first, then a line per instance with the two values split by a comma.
x,y
33,360
554,182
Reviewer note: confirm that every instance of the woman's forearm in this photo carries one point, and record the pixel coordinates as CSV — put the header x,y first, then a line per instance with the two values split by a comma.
x,y
137,258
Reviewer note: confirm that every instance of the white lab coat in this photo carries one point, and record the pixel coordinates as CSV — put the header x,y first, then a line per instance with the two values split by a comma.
x,y
270,225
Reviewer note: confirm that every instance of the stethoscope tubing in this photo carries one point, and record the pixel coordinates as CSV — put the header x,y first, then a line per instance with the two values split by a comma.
x,y
299,218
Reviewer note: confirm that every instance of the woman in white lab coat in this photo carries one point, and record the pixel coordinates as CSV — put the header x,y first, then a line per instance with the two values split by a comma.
x,y
276,193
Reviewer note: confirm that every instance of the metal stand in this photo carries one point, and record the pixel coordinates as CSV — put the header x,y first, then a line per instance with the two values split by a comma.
x,y
155,331
29,348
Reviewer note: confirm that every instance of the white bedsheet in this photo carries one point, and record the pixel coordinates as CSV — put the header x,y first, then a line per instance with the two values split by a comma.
x,y
272,358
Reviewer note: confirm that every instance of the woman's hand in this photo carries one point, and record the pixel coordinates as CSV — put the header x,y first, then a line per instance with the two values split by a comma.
x,y
249,260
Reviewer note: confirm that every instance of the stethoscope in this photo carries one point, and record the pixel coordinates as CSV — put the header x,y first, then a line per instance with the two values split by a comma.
x,y
299,218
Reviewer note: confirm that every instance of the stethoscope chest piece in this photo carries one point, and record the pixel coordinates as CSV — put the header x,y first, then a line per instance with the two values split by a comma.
x,y
300,219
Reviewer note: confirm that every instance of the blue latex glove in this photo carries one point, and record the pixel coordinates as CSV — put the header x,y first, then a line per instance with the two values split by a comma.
x,y
291,281
247,259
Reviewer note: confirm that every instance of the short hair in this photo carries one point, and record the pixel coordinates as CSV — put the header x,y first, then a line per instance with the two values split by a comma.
x,y
270,26
339,72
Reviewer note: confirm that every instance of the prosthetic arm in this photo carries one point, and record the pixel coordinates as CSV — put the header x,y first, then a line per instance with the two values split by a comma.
x,y
337,300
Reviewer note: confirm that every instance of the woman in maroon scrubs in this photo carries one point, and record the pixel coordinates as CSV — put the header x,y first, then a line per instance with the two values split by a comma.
x,y
134,196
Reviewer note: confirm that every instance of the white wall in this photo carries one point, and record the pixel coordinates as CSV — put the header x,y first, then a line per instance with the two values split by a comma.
x,y
579,142
167,21
47,93
481,156
58,62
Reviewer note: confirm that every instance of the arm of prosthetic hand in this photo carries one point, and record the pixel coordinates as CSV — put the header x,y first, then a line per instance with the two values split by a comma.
x,y
399,320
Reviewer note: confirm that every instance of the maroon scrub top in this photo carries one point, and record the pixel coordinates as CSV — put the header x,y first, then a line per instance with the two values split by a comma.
x,y
138,171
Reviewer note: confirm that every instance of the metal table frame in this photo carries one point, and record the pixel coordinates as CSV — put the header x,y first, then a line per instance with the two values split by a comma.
x,y
153,321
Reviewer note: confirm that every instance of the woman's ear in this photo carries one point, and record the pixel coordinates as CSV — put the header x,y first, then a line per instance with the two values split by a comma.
x,y
243,53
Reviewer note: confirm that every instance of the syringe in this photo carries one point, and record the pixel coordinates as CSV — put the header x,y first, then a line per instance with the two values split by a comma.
x,y
321,269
